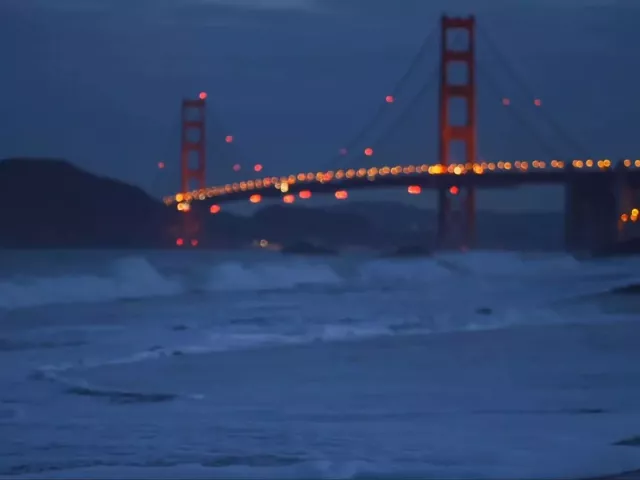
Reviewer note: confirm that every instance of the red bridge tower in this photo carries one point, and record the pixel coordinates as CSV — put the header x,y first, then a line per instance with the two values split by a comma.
x,y
465,131
192,158
192,152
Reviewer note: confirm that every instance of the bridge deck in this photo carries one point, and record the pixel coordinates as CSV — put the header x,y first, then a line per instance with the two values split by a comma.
x,y
326,182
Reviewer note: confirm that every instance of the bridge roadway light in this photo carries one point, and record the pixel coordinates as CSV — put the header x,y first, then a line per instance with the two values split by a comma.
x,y
341,195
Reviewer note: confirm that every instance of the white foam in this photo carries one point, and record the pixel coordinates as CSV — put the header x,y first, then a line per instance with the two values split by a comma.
x,y
231,276
227,339
392,271
490,263
135,277
424,296
128,278
449,291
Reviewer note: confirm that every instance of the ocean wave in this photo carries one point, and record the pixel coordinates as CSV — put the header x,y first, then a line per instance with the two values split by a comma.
x,y
234,276
347,330
127,278
81,387
283,467
137,278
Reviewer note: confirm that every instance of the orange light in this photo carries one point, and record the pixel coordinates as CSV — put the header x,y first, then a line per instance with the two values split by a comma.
x,y
194,242
414,189
368,151
305,194
160,165
343,151
389,99
537,102
214,209
506,102
257,167
454,190
236,167
255,198
342,195
179,242
228,138
203,95
288,198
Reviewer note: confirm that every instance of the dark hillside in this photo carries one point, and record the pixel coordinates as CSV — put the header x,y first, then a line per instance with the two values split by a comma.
x,y
51,203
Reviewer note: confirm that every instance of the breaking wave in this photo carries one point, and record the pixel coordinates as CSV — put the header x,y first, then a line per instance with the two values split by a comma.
x,y
136,277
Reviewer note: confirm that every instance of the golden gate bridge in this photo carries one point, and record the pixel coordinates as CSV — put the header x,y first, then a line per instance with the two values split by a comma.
x,y
600,194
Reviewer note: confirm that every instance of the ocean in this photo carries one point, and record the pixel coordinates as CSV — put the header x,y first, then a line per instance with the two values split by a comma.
x,y
201,364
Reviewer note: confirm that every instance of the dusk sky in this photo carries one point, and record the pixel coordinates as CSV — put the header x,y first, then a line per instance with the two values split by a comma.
x,y
100,81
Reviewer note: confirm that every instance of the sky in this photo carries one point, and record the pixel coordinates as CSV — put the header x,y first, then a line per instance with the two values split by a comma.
x,y
99,82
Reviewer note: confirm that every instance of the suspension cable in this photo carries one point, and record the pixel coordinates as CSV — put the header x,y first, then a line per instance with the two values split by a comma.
x,y
365,130
167,154
506,64
495,86
236,156
431,80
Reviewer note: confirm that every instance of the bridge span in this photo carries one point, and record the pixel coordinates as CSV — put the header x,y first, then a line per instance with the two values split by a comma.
x,y
422,176
600,194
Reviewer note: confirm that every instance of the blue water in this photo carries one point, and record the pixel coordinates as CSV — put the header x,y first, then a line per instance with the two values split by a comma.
x,y
210,365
